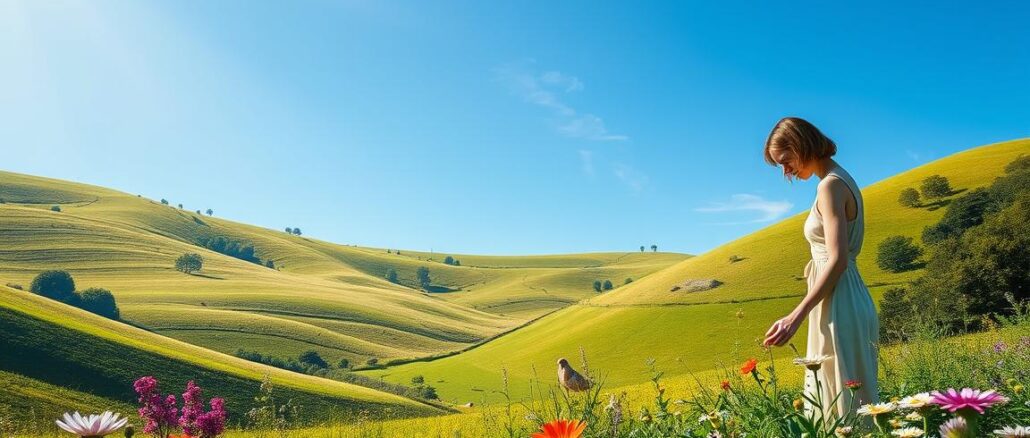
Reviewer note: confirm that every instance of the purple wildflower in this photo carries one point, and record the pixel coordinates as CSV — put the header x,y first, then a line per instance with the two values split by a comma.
x,y
1000,347
159,415
192,407
212,423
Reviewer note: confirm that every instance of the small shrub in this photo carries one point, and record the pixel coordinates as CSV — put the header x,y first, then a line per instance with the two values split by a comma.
x,y
935,186
597,285
210,212
189,263
343,364
391,275
164,201
422,275
1018,165
628,280
101,302
56,208
735,258
897,254
654,248
448,260
909,198
311,357
15,286
270,264
56,285
372,361
608,285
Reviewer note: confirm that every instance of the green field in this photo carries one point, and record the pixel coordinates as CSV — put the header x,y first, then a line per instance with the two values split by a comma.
x,y
60,345
696,331
326,297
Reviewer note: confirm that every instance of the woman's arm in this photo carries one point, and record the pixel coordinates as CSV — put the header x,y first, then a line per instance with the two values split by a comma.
x,y
831,200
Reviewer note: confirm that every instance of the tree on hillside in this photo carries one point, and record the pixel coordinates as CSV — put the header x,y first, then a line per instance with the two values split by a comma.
x,y
289,230
641,248
457,262
296,231
189,263
608,285
935,186
56,285
897,254
964,212
909,198
344,364
372,361
56,208
448,260
895,315
270,264
311,357
423,277
210,212
164,201
628,280
391,275
654,248
1018,165
99,301
180,206
198,212
597,285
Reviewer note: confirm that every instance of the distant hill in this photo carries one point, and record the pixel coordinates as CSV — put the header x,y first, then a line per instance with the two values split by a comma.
x,y
692,331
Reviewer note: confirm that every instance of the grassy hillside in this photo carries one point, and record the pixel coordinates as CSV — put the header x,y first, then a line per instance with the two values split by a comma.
x,y
696,331
327,297
96,360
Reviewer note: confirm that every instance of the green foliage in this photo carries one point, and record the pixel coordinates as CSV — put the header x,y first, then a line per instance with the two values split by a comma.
x,y
896,315
963,213
289,230
231,248
628,280
641,248
608,285
1020,164
654,248
270,264
448,260
164,201
597,285
897,254
101,302
311,357
343,364
56,284
56,208
210,212
422,276
372,361
418,380
268,415
391,275
909,197
189,263
935,186
296,231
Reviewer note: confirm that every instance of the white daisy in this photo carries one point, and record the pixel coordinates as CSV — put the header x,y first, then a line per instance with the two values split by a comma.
x,y
915,401
908,432
812,363
93,425
1013,432
875,409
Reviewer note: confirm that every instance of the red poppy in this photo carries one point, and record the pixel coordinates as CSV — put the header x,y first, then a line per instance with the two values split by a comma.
x,y
725,385
749,366
853,384
561,429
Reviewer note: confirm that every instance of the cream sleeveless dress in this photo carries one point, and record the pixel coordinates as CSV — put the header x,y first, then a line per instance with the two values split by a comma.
x,y
844,326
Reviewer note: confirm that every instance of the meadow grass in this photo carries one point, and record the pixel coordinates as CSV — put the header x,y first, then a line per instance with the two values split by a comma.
x,y
646,319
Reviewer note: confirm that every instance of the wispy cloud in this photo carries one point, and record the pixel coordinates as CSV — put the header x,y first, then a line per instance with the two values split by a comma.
x,y
545,90
631,177
743,202
914,155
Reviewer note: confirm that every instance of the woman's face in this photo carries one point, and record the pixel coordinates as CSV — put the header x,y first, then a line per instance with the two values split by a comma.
x,y
791,164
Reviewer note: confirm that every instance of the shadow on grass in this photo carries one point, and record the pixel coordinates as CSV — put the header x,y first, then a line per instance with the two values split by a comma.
x,y
196,274
433,289
943,202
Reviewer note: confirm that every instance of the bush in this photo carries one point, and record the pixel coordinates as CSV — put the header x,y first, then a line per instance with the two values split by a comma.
x,y
608,285
1018,165
935,186
56,285
735,258
422,275
270,264
628,280
296,231
963,213
311,357
289,230
391,275
14,286
56,208
210,212
344,364
654,248
896,315
164,201
897,254
909,198
641,248
448,260
180,206
372,361
597,285
101,302
189,263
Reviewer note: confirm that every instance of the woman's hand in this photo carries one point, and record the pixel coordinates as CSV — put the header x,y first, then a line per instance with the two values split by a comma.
x,y
781,331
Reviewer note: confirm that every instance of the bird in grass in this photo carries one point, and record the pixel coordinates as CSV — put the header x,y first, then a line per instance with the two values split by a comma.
x,y
570,379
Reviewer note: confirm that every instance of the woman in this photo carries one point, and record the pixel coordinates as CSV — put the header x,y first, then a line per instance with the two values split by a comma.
x,y
842,324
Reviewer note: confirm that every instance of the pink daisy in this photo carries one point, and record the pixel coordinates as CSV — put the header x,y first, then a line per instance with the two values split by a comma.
x,y
974,399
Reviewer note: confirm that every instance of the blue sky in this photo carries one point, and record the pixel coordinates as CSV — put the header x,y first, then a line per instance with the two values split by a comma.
x,y
483,127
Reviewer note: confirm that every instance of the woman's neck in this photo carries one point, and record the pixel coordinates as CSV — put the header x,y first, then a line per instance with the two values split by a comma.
x,y
823,167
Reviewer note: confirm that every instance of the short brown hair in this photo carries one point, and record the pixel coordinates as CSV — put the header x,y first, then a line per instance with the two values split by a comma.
x,y
801,137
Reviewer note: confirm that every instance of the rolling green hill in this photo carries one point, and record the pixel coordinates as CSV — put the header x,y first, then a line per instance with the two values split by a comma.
x,y
692,331
94,360
321,296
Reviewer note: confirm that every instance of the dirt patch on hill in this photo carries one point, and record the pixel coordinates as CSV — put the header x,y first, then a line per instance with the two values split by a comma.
x,y
696,285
